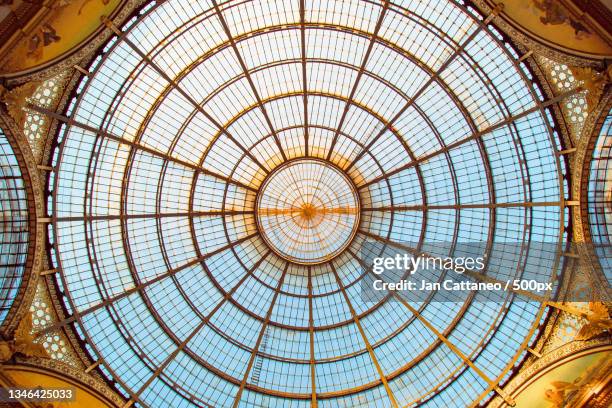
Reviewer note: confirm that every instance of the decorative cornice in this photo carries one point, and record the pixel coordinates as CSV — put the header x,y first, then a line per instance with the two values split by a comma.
x,y
556,54
83,52
597,10
71,374
18,18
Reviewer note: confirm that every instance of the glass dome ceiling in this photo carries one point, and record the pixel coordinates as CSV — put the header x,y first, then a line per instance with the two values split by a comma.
x,y
412,123
600,197
14,231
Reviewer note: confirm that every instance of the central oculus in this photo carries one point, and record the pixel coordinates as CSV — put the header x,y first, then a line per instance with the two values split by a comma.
x,y
307,211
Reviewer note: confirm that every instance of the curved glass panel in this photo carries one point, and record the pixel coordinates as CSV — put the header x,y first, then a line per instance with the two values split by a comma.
x,y
14,236
417,106
600,197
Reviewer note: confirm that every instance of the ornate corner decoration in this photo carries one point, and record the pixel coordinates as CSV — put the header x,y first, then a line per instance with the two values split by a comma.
x,y
75,376
594,82
16,98
548,362
22,342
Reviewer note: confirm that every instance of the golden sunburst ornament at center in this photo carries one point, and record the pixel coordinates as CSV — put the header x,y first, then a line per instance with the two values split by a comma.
x,y
307,211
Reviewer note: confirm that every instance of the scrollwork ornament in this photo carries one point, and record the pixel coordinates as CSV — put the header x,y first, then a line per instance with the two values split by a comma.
x,y
594,82
16,99
22,343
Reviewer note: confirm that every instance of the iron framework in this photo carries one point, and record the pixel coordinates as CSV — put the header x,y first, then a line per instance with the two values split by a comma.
x,y
424,106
